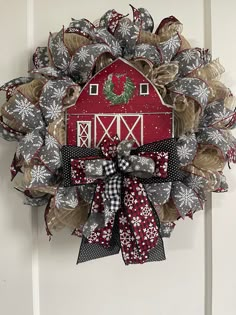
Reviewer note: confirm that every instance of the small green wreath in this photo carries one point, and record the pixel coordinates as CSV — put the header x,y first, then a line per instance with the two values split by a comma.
x,y
122,98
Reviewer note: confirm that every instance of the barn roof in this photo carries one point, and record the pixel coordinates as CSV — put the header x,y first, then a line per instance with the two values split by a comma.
x,y
92,104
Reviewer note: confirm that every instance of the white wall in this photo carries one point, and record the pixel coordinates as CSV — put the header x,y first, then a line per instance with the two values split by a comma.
x,y
15,218
177,286
224,206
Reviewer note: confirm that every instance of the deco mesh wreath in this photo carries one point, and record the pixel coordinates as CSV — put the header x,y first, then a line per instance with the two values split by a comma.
x,y
95,137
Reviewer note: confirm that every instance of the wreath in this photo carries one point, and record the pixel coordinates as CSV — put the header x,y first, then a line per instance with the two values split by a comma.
x,y
116,196
122,98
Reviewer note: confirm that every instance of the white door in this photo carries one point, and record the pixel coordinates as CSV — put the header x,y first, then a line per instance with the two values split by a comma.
x,y
38,277
84,134
125,126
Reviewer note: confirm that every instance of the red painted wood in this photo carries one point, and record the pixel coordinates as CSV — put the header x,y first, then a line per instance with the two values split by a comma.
x,y
157,118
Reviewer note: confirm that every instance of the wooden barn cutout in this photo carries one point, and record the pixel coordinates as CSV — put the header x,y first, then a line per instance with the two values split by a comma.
x,y
118,100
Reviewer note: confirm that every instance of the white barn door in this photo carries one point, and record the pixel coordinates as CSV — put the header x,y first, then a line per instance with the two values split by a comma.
x,y
38,277
125,126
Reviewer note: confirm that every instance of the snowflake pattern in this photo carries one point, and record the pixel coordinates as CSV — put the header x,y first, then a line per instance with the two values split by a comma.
x,y
125,238
194,65
172,44
72,202
184,152
30,137
49,71
60,48
195,182
124,28
128,200
141,190
92,61
167,228
73,66
116,48
143,161
93,237
146,211
107,234
137,226
24,108
53,111
39,174
188,138
136,221
56,158
50,142
220,115
202,92
189,55
186,197
122,219
215,136
48,85
59,92
59,199
90,167
151,232
82,54
180,89
144,46
126,182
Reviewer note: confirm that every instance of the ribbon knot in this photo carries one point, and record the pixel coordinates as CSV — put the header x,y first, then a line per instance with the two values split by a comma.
x,y
120,174
112,167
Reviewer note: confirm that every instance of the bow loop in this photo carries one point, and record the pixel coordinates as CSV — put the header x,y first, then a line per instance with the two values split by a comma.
x,y
94,168
142,167
124,147
109,147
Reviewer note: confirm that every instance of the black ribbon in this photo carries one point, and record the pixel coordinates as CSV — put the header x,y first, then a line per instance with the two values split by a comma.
x,y
168,145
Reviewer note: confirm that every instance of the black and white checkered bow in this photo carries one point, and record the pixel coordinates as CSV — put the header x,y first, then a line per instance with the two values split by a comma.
x,y
113,185
110,167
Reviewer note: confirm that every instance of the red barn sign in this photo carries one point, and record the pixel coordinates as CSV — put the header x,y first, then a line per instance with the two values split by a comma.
x,y
118,100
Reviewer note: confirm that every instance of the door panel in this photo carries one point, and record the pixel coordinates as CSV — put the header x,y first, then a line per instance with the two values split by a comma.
x,y
124,126
131,127
84,133
105,126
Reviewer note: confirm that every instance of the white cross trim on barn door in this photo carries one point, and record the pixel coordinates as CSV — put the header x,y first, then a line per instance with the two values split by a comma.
x,y
97,121
84,134
139,120
121,126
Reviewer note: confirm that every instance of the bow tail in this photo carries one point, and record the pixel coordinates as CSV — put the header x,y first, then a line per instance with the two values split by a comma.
x,y
90,251
129,247
99,240
139,226
135,229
